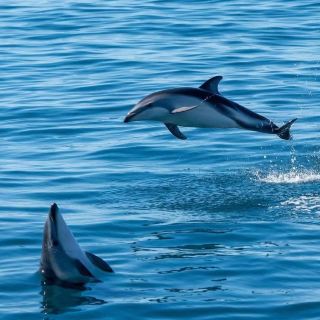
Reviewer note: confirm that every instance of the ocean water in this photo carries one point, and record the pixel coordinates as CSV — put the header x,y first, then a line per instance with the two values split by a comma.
x,y
224,225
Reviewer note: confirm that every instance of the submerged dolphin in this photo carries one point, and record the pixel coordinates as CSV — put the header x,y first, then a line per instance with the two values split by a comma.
x,y
202,107
62,258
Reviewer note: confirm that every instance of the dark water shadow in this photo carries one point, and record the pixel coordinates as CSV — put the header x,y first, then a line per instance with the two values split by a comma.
x,y
59,298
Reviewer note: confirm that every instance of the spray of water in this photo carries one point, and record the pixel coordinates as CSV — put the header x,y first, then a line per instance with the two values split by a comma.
x,y
296,173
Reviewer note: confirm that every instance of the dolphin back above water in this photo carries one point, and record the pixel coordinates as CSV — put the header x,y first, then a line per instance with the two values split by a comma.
x,y
202,107
62,258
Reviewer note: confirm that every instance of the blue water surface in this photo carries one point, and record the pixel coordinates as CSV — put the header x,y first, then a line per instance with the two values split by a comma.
x,y
224,225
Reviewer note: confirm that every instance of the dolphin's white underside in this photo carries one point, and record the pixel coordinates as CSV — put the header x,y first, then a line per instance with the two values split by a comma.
x,y
204,116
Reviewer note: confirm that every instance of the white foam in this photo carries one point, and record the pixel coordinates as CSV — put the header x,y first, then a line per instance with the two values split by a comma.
x,y
293,176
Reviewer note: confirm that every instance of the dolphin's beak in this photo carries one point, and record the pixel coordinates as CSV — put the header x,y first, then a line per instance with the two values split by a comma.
x,y
129,116
53,223
53,212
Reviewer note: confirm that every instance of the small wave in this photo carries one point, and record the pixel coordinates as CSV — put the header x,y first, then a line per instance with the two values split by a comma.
x,y
293,176
307,203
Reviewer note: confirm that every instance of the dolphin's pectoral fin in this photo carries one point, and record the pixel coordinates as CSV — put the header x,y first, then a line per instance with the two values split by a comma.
x,y
183,109
212,85
82,268
173,128
98,262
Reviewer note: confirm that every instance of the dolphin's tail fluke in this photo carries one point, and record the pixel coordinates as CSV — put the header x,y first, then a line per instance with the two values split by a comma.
x,y
284,131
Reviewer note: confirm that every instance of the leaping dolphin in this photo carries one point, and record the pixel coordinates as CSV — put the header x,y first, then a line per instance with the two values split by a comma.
x,y
62,258
202,107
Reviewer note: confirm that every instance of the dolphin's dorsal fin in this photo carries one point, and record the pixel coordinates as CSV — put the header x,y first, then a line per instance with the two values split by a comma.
x,y
98,262
212,84
173,128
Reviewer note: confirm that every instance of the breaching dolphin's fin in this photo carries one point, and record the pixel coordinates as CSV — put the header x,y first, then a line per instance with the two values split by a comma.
x,y
173,128
212,84
98,262
284,131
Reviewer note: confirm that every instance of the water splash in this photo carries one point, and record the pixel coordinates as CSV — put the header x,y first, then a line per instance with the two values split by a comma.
x,y
296,173
292,176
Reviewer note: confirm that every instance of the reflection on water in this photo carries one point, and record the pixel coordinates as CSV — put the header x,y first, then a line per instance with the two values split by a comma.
x,y
196,290
59,299
183,269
